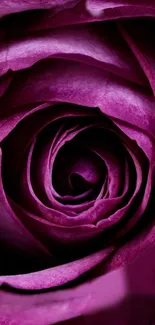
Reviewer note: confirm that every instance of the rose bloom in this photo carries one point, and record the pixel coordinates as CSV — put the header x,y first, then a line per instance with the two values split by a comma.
x,y
77,162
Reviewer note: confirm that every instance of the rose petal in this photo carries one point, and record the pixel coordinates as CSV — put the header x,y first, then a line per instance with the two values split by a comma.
x,y
89,11
141,41
81,43
10,6
9,120
123,297
13,232
56,276
86,86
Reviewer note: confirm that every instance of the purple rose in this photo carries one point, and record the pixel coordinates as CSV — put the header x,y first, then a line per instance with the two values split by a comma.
x,y
77,132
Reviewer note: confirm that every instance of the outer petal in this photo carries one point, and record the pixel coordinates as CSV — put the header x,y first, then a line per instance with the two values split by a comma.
x,y
57,275
83,85
141,40
91,44
12,231
12,6
88,11
124,295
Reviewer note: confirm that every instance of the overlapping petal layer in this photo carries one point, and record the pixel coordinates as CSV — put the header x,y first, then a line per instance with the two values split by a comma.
x,y
77,118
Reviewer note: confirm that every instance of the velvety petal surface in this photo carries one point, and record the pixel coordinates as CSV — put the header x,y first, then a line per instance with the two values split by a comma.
x,y
13,6
86,86
123,297
77,149
93,45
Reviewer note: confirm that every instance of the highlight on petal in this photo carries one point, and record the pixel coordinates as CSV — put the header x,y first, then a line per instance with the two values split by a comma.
x,y
11,6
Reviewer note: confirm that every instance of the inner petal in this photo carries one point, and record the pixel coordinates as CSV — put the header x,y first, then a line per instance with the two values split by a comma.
x,y
77,170
78,183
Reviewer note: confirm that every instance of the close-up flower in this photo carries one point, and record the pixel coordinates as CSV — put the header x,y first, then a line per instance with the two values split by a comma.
x,y
77,161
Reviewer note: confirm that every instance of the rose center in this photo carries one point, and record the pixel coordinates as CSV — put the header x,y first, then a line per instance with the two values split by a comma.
x,y
79,184
77,171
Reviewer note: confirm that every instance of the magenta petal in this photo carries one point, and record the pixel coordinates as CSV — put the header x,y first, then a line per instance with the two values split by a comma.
x,y
123,297
16,116
142,42
12,231
61,77
87,86
132,249
142,139
44,158
11,6
56,276
81,43
92,11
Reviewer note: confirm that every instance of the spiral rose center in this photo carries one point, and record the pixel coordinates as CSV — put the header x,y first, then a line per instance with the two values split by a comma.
x,y
77,171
